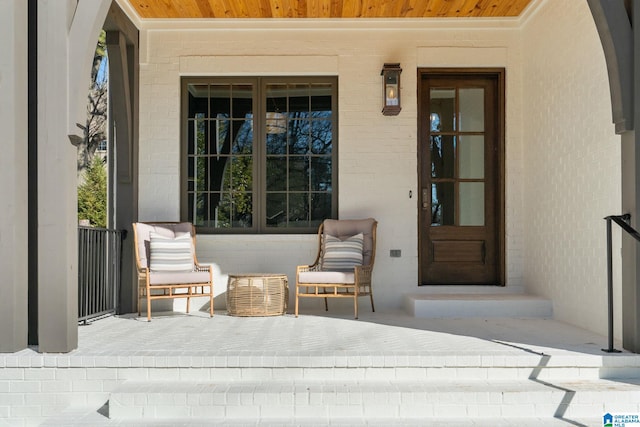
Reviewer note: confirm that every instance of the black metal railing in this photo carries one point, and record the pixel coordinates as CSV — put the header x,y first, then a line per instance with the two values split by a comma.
x,y
623,222
99,271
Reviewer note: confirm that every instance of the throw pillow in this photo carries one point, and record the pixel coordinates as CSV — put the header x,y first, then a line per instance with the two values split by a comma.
x,y
342,255
170,254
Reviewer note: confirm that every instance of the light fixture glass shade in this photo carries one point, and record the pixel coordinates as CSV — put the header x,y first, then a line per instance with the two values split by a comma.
x,y
391,89
276,122
392,94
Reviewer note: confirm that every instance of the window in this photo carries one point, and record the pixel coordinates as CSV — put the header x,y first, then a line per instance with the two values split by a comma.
x,y
259,154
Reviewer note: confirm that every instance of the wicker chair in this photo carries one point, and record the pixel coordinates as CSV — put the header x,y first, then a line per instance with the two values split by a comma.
x,y
166,262
339,271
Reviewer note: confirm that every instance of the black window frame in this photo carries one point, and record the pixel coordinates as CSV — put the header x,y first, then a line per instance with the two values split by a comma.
x,y
259,151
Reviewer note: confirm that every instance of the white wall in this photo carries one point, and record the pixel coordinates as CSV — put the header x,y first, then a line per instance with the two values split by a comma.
x,y
572,164
562,157
377,154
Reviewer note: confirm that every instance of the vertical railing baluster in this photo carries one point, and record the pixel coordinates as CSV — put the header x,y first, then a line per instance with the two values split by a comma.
x,y
609,349
99,275
623,222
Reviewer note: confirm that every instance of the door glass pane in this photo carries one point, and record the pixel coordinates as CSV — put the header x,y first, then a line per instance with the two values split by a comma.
x,y
472,110
471,152
442,114
443,158
443,203
472,203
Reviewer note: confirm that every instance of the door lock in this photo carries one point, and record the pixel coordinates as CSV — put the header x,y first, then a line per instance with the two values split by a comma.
x,y
426,199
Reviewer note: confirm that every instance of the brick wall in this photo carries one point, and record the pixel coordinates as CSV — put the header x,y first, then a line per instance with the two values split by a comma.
x,y
571,164
377,154
558,133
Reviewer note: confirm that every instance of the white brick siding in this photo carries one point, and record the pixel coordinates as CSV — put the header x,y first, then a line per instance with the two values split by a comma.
x,y
572,166
562,157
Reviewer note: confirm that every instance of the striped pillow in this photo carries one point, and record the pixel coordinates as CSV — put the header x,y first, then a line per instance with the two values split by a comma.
x,y
342,255
170,254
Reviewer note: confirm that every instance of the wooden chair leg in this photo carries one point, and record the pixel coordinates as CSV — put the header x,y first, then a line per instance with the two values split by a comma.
x,y
355,304
326,304
211,301
140,295
296,310
371,296
148,288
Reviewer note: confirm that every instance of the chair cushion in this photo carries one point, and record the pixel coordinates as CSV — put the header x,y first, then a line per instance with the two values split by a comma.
x,y
348,227
335,277
174,278
342,254
169,253
168,229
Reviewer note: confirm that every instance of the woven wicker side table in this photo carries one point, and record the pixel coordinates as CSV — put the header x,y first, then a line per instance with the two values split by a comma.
x,y
257,294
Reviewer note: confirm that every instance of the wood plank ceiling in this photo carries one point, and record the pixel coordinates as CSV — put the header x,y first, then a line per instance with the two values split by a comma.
x,y
165,9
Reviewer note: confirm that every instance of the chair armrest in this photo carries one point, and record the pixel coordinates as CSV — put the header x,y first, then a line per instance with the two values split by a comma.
x,y
363,273
302,268
305,268
200,267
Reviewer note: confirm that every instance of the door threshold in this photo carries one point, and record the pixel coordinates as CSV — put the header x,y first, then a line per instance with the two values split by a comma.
x,y
467,289
462,284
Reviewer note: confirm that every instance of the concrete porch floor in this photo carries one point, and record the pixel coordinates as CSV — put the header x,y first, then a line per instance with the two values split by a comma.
x,y
320,332
174,343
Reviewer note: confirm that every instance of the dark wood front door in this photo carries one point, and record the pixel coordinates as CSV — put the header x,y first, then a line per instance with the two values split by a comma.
x,y
461,168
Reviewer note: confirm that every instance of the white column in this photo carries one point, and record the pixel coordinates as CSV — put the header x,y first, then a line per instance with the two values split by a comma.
x,y
67,36
13,175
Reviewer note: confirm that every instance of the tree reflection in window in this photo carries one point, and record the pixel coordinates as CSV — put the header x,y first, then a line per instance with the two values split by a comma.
x,y
436,167
299,161
294,158
220,140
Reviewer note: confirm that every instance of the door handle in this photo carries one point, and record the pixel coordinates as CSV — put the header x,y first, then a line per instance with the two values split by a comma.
x,y
426,199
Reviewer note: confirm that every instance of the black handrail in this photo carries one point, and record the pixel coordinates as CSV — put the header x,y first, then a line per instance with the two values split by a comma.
x,y
623,222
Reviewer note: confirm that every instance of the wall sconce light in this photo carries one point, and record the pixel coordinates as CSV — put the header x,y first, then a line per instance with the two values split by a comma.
x,y
276,122
391,85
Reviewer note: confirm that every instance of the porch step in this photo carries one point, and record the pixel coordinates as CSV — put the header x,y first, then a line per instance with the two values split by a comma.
x,y
459,305
82,417
325,400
